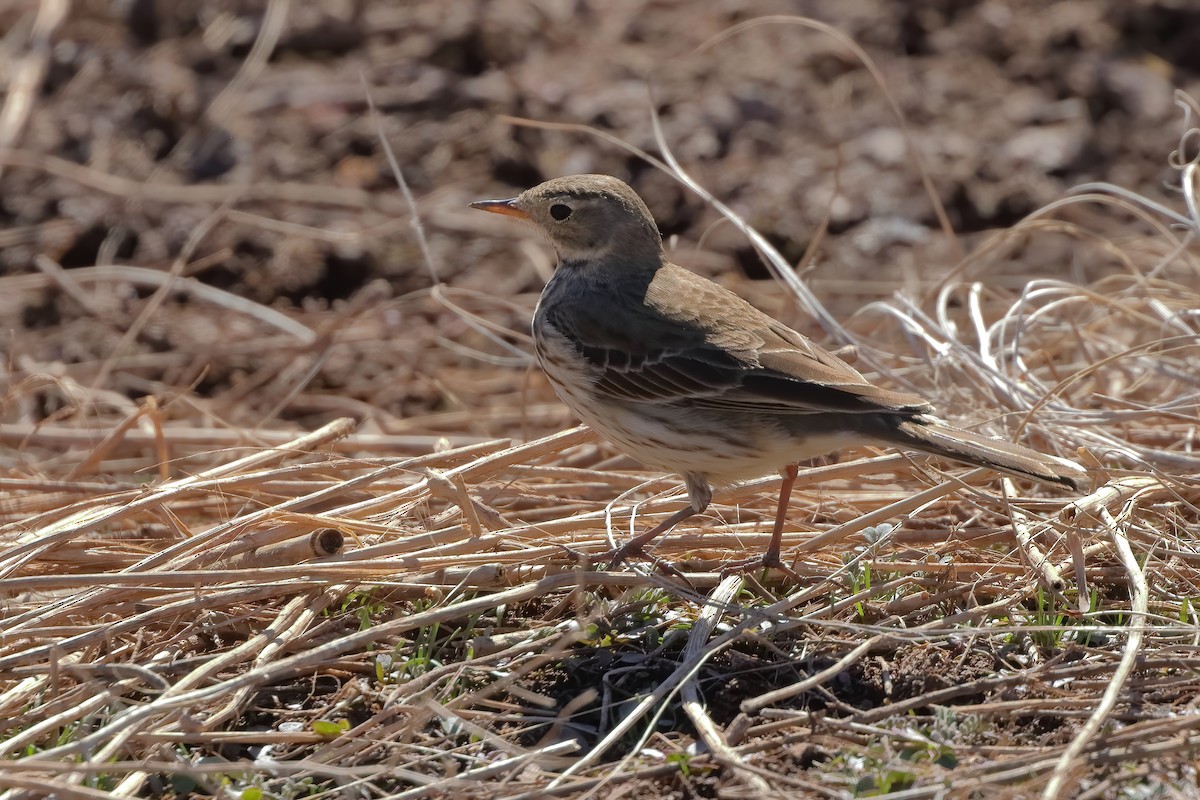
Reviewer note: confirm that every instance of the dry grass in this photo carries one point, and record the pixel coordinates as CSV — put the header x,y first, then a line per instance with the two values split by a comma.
x,y
195,604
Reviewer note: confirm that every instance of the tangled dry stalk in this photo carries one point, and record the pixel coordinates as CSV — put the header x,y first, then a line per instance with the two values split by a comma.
x,y
191,603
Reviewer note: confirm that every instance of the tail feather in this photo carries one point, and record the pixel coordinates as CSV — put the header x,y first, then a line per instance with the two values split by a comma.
x,y
930,435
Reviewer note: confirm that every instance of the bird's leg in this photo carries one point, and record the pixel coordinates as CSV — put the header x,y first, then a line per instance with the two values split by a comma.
x,y
699,496
771,557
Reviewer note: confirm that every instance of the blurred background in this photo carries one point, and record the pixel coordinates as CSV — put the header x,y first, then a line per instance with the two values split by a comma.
x,y
230,145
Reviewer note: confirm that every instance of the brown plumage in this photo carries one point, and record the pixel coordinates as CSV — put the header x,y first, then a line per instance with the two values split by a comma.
x,y
686,376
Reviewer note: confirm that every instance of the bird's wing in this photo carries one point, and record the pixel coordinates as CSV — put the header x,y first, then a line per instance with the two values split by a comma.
x,y
693,342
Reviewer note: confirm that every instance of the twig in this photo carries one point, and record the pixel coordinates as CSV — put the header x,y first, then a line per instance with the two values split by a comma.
x,y
721,598
1139,599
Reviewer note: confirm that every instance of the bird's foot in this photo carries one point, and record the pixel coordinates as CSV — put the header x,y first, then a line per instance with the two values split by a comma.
x,y
624,553
765,561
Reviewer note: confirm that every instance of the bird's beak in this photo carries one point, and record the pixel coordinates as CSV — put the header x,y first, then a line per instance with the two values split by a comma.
x,y
506,207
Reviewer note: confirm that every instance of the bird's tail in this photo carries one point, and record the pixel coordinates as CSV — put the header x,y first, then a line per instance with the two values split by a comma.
x,y
930,435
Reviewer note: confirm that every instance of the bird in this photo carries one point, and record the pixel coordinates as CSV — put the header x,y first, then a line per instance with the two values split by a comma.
x,y
688,377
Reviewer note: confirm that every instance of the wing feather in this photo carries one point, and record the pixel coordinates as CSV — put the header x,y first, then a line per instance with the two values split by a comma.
x,y
692,342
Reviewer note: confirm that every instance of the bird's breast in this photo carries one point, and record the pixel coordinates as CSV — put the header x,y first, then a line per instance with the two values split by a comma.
x,y
569,372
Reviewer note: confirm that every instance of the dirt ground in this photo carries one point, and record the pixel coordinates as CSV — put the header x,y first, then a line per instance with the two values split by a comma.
x,y
231,143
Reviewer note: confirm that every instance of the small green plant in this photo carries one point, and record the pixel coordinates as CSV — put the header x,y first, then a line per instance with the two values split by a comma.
x,y
329,729
940,754
950,726
884,782
858,579
101,781
364,605
384,664
682,760
1048,621
429,649
637,618
293,788
66,735
647,605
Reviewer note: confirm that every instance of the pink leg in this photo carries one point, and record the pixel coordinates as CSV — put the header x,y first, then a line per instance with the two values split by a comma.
x,y
699,496
771,557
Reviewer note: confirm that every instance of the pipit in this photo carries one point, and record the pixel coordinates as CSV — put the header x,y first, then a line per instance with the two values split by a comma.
x,y
687,377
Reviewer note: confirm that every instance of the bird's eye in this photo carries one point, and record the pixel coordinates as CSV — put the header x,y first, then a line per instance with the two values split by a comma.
x,y
560,211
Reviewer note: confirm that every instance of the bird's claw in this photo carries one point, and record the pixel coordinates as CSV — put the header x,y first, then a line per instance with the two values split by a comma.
x,y
765,561
622,554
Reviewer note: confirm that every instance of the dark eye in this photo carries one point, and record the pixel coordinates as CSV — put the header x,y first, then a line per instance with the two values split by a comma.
x,y
560,211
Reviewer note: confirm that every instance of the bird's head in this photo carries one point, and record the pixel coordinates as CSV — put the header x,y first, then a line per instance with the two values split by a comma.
x,y
587,218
